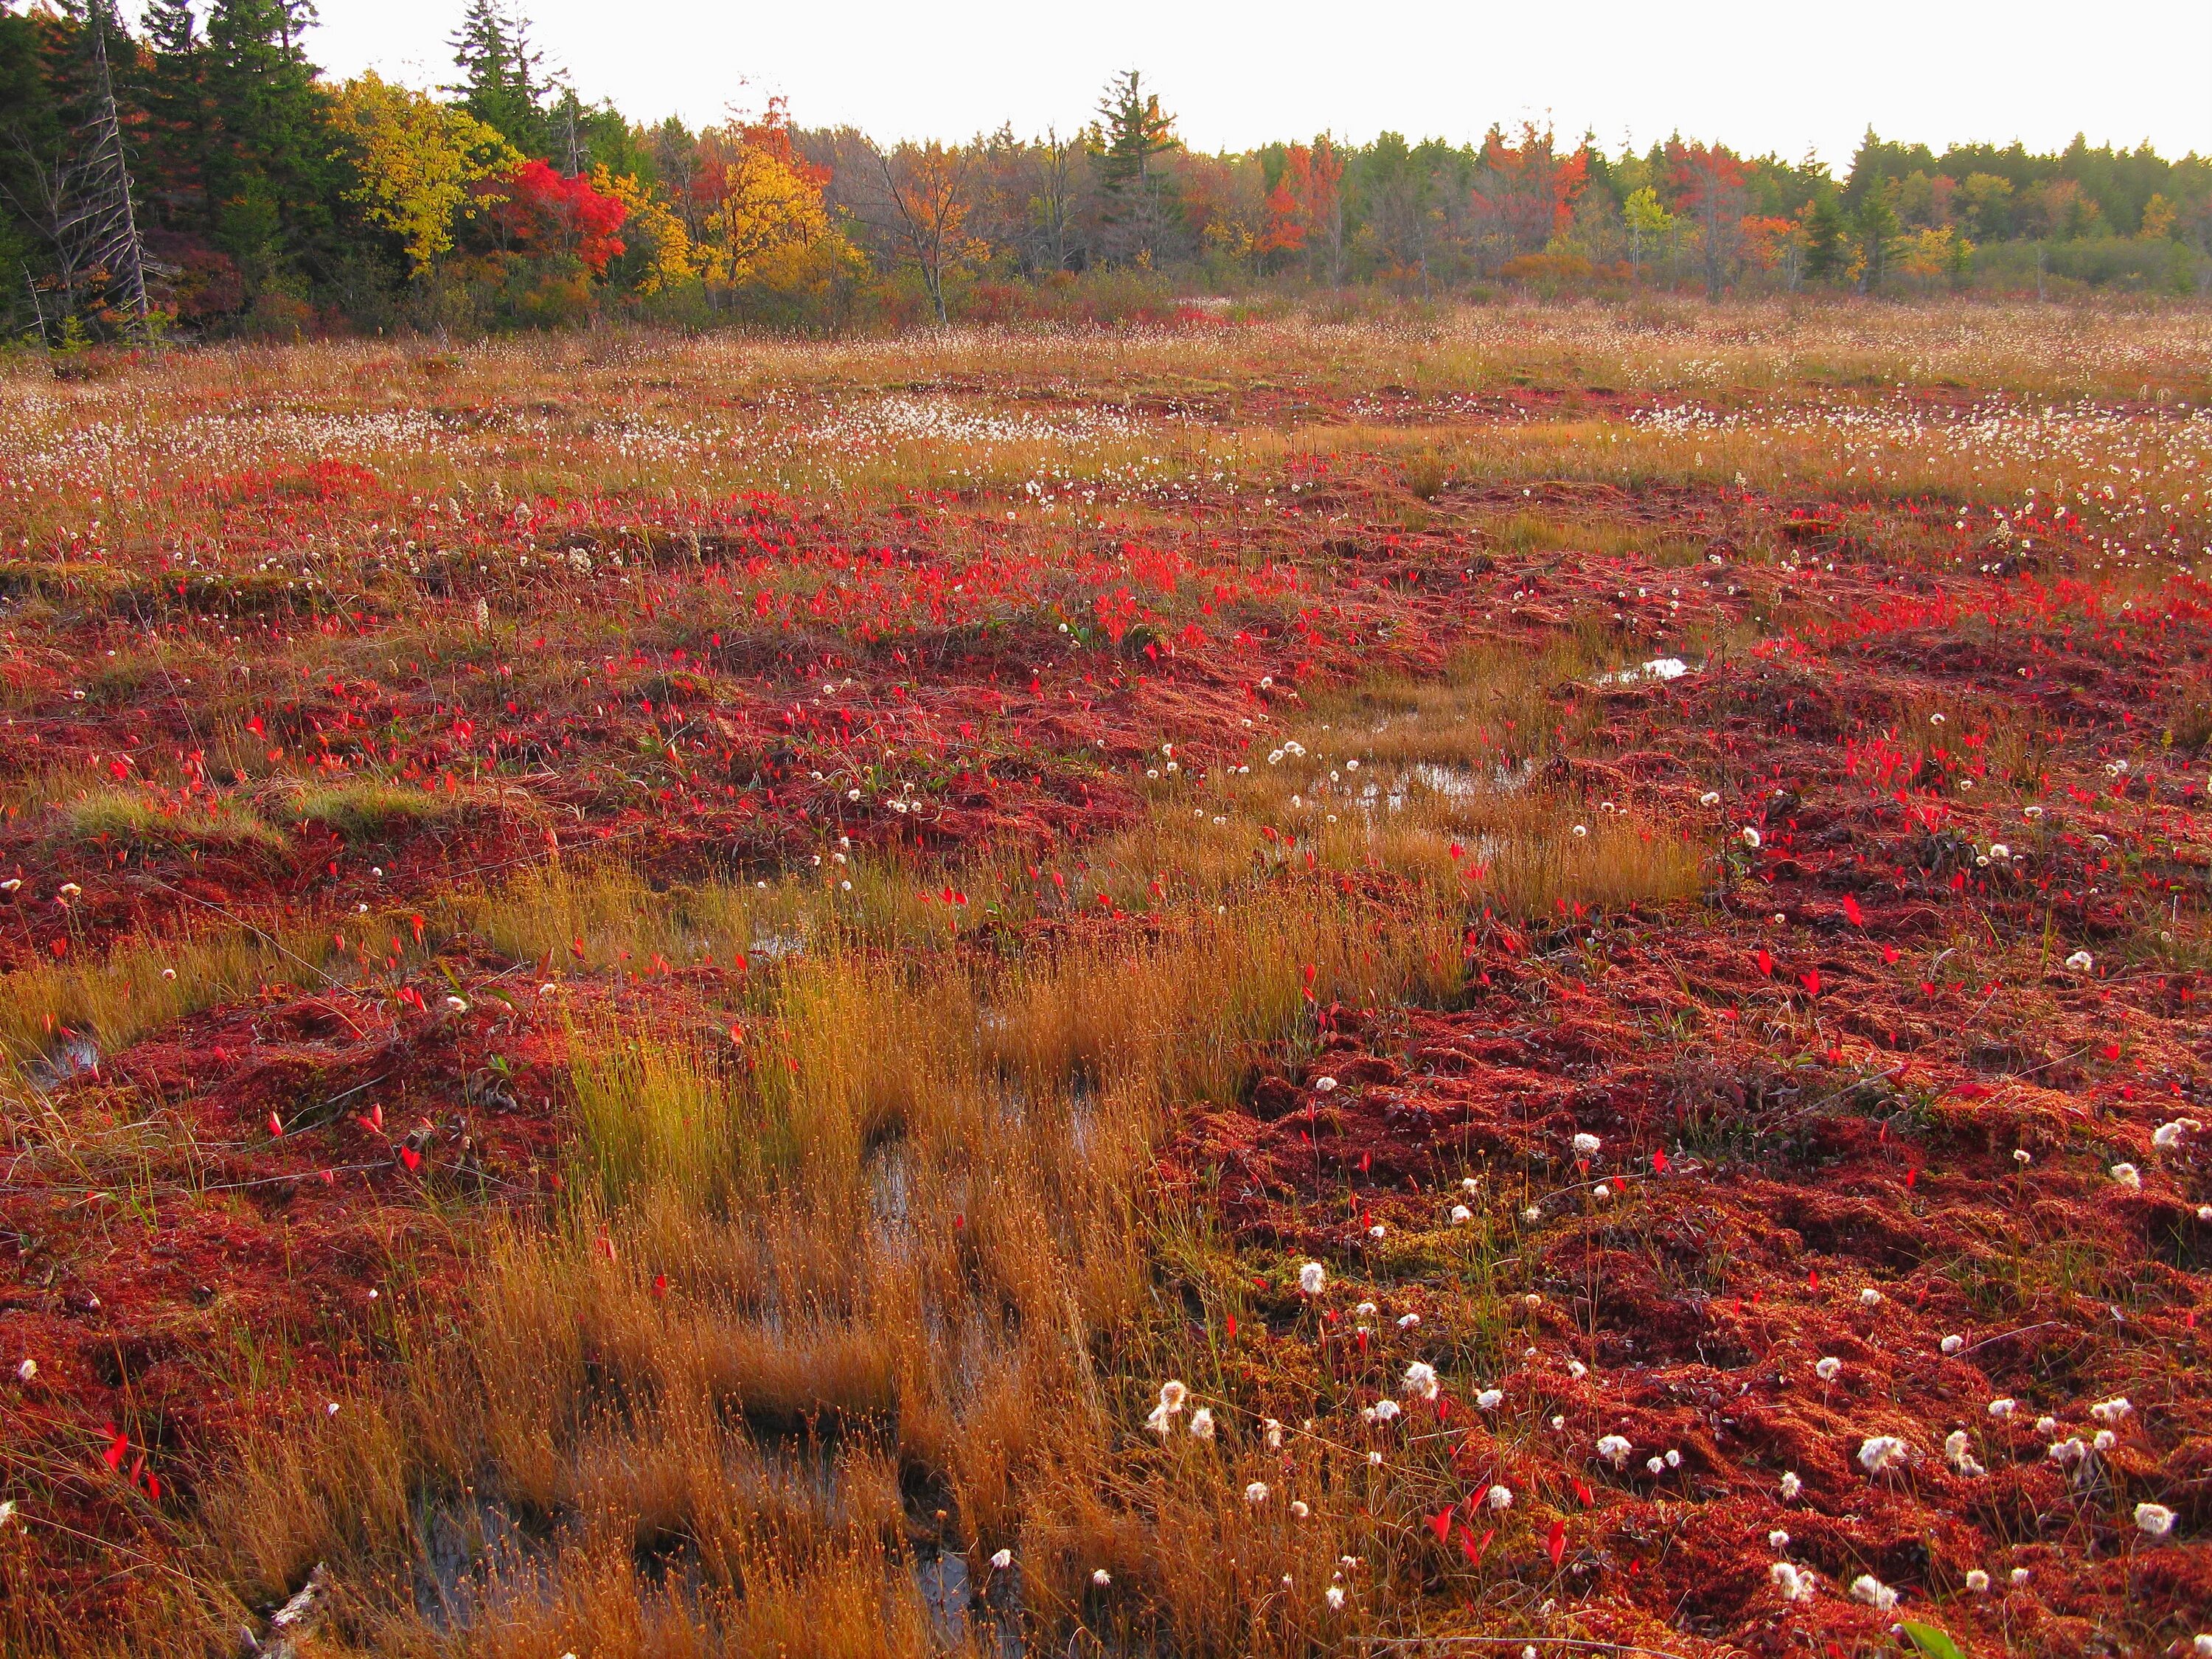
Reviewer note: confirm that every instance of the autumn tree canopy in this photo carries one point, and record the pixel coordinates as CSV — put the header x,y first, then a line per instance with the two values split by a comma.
x,y
268,198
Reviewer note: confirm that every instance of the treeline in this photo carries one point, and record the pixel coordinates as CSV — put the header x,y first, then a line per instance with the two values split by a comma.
x,y
195,173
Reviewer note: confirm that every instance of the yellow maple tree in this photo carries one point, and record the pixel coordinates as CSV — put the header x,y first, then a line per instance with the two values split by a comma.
x,y
416,162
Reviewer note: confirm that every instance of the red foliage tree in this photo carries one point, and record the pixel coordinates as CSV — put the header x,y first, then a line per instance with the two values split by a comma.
x,y
1283,227
1707,183
1305,210
543,211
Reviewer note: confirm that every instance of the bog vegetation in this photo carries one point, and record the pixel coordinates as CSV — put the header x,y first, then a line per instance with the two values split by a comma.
x,y
1527,974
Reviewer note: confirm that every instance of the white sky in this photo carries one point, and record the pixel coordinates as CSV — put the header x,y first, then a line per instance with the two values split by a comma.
x,y
1766,75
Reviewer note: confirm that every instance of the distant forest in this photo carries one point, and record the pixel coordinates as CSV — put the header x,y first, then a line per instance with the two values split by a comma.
x,y
197,175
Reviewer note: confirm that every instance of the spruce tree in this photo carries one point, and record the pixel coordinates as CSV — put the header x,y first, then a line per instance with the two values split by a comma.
x,y
1824,239
500,82
174,170
1135,130
270,174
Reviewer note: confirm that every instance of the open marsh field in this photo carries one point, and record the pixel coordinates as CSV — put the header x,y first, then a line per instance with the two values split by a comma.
x,y
1528,977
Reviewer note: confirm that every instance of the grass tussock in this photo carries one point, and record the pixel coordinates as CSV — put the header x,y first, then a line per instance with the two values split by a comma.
x,y
122,818
368,809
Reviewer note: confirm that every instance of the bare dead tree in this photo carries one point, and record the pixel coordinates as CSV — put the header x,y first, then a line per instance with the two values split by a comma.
x,y
1054,205
106,214
48,198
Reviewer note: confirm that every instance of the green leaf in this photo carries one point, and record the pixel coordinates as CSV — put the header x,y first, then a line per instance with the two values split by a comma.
x,y
1936,1644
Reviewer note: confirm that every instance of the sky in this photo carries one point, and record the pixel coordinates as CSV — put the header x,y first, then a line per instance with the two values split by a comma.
x,y
1768,76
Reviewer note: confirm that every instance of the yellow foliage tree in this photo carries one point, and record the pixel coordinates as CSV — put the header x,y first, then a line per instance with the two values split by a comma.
x,y
761,210
416,160
671,256
1931,252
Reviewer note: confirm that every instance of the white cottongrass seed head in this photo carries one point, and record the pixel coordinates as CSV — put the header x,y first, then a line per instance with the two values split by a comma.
x,y
1879,1452
1796,1583
1871,1590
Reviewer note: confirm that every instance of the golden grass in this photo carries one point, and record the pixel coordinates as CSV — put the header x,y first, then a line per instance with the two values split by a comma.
x,y
908,1213
143,986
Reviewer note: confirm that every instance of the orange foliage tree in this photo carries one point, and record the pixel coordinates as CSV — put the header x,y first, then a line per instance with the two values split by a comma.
x,y
1304,212
1524,192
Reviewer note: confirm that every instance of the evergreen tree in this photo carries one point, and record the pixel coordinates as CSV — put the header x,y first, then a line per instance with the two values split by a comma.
x,y
74,39
1824,231
501,82
1135,130
174,171
269,178
1876,225
294,19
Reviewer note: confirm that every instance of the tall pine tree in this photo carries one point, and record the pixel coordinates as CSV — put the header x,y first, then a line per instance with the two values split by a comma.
x,y
1135,131
500,81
